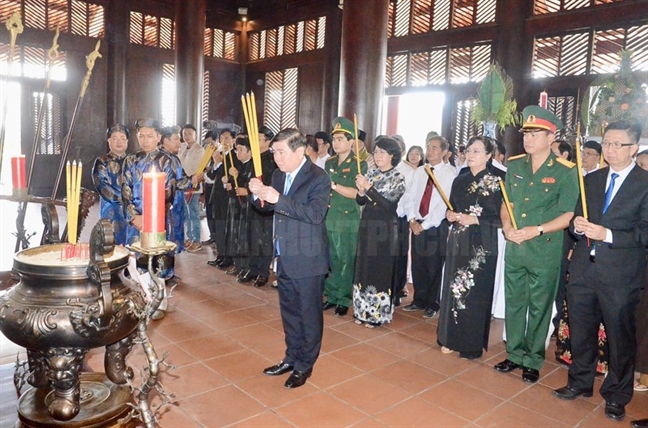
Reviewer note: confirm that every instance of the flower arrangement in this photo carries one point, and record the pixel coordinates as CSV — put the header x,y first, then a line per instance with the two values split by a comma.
x,y
464,281
619,96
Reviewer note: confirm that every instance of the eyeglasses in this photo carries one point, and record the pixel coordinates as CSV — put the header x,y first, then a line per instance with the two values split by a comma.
x,y
616,145
474,152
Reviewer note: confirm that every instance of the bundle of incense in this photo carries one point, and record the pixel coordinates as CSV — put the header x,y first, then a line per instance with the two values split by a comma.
x,y
73,187
438,187
357,142
249,111
209,151
579,165
75,251
509,209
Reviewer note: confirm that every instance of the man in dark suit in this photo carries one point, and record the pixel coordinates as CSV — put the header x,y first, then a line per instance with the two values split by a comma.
x,y
299,196
607,270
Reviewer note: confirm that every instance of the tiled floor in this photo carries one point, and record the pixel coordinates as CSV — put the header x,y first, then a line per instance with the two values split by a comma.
x,y
220,335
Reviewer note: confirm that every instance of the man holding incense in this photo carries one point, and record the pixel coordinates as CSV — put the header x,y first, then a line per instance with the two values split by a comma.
x,y
343,217
542,190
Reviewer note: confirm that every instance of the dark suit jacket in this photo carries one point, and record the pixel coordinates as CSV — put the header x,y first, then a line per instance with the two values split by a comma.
x,y
299,221
622,263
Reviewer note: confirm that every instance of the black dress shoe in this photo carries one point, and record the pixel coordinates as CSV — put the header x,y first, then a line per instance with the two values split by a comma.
x,y
244,277
640,423
278,369
225,264
614,411
569,393
530,375
233,271
328,305
506,366
297,379
260,281
217,261
341,311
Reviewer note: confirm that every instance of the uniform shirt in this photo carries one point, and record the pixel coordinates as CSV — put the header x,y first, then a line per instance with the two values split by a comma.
x,y
445,175
343,213
539,198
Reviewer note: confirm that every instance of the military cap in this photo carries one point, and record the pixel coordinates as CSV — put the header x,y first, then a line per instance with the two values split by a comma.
x,y
147,122
536,117
342,124
117,127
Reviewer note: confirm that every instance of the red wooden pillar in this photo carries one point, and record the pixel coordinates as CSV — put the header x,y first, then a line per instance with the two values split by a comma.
x,y
392,115
117,35
189,61
362,66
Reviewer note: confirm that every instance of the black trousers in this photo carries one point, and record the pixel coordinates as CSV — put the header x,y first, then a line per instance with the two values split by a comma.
x,y
401,258
428,256
589,300
300,301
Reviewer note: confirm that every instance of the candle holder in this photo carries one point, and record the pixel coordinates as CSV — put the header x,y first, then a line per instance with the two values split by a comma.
x,y
153,240
20,194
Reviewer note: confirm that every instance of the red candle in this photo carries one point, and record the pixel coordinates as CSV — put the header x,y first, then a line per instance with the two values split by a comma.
x,y
153,202
544,99
18,175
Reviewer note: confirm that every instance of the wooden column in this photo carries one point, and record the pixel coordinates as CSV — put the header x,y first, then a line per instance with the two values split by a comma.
x,y
189,61
117,36
362,65
330,98
514,50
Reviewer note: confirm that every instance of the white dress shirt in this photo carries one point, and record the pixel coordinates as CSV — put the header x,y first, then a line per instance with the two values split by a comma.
x,y
445,175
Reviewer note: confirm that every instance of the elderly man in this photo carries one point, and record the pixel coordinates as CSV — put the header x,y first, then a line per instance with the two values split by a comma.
x,y
607,270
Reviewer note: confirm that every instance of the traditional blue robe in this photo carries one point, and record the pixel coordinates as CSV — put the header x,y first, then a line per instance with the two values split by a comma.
x,y
107,178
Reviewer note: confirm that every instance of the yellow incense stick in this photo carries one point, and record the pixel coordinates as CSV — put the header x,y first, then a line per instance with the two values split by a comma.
x,y
209,151
579,165
438,187
254,142
357,143
507,203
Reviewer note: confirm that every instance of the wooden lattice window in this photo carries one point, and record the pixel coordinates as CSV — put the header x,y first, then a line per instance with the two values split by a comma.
x,y
567,55
205,97
438,66
302,36
549,6
563,55
408,17
280,106
565,108
70,16
51,136
31,61
220,44
168,95
154,31
463,123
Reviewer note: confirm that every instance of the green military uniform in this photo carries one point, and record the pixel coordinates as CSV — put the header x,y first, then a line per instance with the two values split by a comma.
x,y
342,223
532,269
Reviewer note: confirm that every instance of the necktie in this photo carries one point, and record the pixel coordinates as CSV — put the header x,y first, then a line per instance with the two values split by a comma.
x,y
424,206
289,180
609,192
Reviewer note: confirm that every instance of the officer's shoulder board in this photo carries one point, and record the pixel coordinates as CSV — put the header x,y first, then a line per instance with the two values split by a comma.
x,y
331,158
565,162
517,157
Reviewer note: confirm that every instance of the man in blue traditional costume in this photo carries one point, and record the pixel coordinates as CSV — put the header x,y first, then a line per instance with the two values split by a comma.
x,y
106,176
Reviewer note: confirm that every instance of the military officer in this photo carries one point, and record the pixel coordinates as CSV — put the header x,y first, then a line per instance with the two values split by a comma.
x,y
543,190
343,217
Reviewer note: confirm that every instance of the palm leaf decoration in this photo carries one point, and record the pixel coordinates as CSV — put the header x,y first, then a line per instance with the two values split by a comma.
x,y
495,101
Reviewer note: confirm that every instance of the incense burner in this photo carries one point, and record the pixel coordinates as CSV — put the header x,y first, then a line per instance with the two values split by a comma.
x,y
60,309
